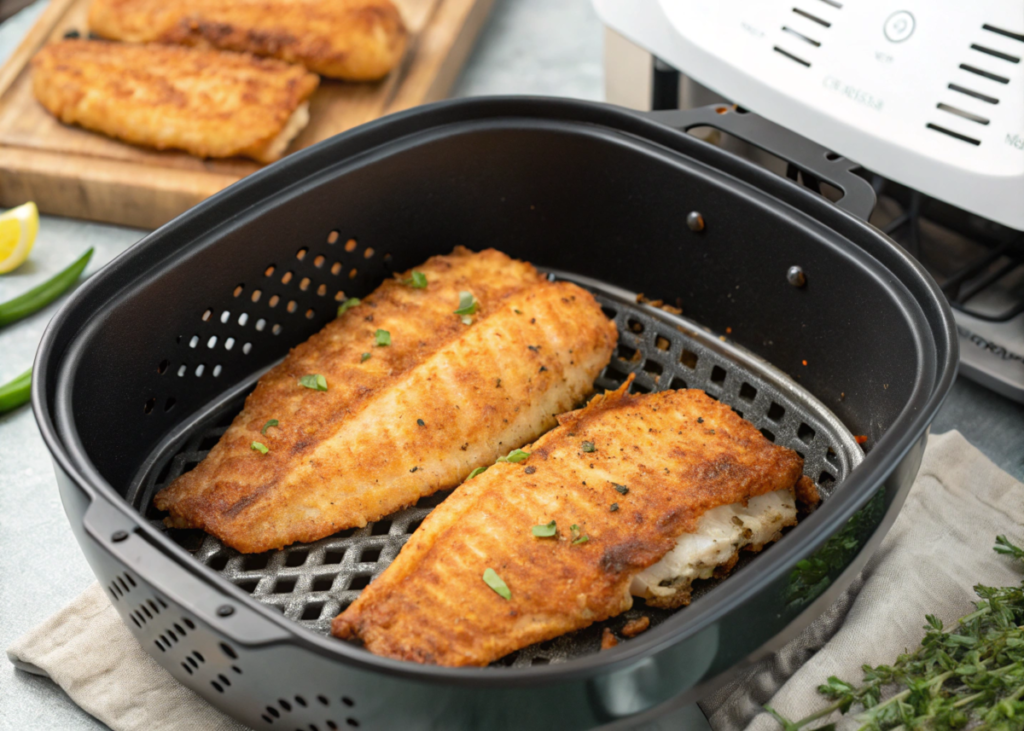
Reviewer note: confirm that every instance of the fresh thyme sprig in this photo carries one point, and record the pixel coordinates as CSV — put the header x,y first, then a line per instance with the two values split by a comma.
x,y
971,677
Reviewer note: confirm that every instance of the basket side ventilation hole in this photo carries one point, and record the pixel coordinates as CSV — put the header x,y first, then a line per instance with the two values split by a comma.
x,y
283,707
121,585
317,265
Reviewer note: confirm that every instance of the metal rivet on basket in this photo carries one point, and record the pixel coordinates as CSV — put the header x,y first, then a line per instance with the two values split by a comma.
x,y
225,611
118,536
695,221
795,276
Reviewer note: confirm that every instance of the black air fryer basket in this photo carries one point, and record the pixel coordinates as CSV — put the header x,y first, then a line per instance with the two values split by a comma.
x,y
142,370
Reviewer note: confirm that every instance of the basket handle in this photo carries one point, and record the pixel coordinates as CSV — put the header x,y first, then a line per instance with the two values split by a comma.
x,y
815,162
124,542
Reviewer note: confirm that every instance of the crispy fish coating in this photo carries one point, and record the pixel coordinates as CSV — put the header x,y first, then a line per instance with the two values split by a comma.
x,y
679,454
357,40
208,103
414,417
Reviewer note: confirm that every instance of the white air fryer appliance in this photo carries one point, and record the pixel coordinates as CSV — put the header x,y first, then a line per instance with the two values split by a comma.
x,y
927,95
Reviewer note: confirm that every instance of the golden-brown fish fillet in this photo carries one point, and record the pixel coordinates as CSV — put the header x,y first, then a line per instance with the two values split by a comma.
x,y
415,417
358,40
208,103
679,454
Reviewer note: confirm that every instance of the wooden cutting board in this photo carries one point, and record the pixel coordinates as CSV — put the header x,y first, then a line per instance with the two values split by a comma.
x,y
69,171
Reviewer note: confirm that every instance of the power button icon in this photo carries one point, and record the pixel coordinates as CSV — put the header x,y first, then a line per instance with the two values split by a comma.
x,y
899,26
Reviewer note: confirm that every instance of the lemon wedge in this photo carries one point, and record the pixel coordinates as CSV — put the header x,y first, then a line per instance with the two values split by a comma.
x,y
18,229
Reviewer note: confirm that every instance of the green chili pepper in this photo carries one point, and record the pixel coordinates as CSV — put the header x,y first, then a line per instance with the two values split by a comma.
x,y
16,393
38,297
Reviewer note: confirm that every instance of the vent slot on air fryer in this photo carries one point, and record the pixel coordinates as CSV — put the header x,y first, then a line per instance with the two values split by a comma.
x,y
311,583
984,66
804,27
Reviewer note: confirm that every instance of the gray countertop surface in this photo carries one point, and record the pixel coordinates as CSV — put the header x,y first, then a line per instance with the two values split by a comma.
x,y
528,46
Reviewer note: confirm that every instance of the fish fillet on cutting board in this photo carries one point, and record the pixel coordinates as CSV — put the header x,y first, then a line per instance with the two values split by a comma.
x,y
356,40
208,103
678,454
415,417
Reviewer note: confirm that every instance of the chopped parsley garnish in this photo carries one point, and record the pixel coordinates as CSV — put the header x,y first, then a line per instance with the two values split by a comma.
x,y
418,280
614,507
516,455
545,531
272,422
515,310
494,581
315,382
574,534
621,489
382,337
589,447
347,305
420,422
364,357
476,472
468,306
259,447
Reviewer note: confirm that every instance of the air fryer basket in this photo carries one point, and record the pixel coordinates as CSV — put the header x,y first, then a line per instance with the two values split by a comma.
x,y
141,371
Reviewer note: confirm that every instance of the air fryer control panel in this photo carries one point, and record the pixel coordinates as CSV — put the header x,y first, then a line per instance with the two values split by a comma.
x,y
926,92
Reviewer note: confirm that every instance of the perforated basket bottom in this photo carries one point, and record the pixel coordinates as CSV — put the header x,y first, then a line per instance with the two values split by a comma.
x,y
311,583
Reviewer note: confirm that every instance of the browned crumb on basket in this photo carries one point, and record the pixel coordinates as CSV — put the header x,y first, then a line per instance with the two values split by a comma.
x,y
608,640
641,299
636,626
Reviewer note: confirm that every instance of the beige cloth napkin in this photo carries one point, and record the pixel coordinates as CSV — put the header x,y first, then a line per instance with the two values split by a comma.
x,y
938,549
86,649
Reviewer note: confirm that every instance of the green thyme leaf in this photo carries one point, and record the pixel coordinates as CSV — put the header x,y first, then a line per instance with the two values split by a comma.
x,y
971,677
315,382
418,280
621,489
364,357
589,447
467,304
517,311
494,581
545,531
516,455
476,472
272,422
347,305
581,540
1006,548
259,447
382,337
